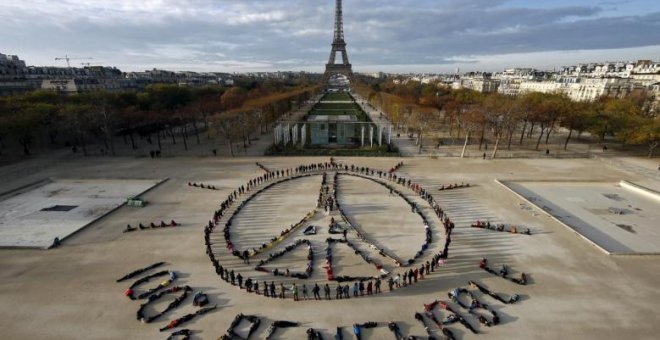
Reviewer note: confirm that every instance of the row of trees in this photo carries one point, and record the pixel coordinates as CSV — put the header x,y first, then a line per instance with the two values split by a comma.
x,y
256,114
469,114
162,111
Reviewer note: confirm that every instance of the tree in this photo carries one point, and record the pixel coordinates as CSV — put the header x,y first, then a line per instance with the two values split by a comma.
x,y
424,119
577,118
226,125
647,132
24,125
613,117
499,118
78,120
233,98
471,117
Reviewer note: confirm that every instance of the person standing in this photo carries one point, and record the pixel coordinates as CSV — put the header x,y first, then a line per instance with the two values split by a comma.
x,y
246,257
361,285
339,292
282,291
316,291
272,289
390,283
304,292
295,291
239,277
326,290
370,288
356,288
377,285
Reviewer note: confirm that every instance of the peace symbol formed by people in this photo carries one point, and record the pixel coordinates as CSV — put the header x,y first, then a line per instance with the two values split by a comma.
x,y
255,268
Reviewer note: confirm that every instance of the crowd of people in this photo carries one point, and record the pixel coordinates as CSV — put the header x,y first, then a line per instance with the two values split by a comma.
x,y
263,167
414,209
287,249
473,305
396,167
501,228
512,299
140,271
233,197
454,186
187,318
327,200
130,291
202,186
157,296
503,272
151,225
231,334
279,324
183,333
261,183
328,262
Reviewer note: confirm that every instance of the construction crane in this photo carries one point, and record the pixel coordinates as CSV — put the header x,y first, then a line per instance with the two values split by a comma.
x,y
66,57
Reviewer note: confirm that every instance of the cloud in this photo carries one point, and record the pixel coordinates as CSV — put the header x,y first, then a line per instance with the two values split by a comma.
x,y
224,34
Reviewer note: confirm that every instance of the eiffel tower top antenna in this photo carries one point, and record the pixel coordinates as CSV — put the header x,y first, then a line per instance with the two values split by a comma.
x,y
339,23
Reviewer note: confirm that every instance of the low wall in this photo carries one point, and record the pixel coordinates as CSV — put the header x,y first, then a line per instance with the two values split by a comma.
x,y
638,189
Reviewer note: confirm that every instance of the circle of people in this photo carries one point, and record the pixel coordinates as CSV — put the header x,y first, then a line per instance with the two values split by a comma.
x,y
368,285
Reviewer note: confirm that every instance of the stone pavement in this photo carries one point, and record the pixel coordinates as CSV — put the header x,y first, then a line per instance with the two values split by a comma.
x,y
575,291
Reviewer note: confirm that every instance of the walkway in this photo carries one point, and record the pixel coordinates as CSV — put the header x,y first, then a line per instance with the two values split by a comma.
x,y
406,146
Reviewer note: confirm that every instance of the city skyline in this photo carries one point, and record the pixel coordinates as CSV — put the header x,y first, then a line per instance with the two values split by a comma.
x,y
406,36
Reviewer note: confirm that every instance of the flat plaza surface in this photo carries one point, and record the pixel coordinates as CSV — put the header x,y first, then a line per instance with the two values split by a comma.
x,y
35,216
575,290
615,218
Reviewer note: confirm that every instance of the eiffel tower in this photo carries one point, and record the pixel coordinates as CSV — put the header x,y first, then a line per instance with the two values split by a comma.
x,y
338,45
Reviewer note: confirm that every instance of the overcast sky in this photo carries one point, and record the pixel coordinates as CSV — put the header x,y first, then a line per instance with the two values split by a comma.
x,y
382,35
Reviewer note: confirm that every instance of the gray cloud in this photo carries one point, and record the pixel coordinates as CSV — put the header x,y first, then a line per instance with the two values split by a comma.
x,y
240,35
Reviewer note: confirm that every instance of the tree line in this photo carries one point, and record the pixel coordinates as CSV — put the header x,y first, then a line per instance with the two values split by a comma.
x,y
507,119
180,114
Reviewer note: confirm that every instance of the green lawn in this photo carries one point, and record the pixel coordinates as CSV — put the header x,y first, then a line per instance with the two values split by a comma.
x,y
339,109
337,97
337,106
334,112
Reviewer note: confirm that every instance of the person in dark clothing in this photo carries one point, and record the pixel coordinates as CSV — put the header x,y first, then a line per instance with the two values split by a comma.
x,y
377,286
239,277
326,290
246,257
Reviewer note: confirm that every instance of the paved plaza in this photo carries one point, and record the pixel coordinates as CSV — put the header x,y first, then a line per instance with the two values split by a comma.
x,y
612,216
49,209
574,290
